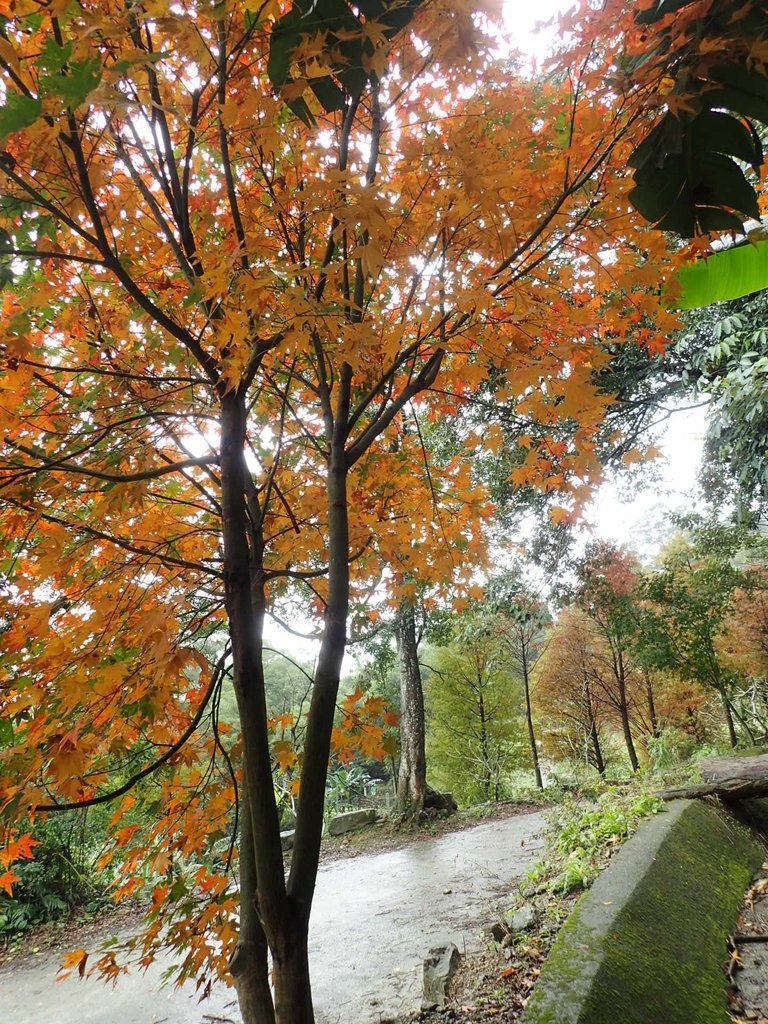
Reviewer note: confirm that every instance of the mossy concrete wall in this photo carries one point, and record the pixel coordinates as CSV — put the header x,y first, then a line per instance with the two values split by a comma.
x,y
646,944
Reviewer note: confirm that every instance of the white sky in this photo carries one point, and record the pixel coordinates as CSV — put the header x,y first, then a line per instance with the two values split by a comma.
x,y
522,16
642,520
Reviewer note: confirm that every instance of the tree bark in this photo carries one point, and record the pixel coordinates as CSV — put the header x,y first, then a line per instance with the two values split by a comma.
x,y
731,778
290,965
484,749
593,733
732,739
412,776
654,721
262,893
595,737
293,996
249,965
624,711
529,716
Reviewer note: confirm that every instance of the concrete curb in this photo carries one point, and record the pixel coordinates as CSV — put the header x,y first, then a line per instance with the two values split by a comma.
x,y
646,944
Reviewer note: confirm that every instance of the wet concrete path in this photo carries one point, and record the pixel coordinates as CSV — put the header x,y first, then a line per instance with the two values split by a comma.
x,y
374,918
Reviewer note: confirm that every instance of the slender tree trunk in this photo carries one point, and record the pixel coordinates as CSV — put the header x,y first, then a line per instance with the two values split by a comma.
x,y
262,893
484,749
293,996
249,964
624,711
651,704
728,713
595,737
593,733
529,719
412,777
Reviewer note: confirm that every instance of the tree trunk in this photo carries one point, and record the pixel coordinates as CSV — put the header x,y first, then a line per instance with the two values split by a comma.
x,y
529,719
624,712
293,1002
290,970
484,749
728,719
249,964
593,733
651,704
595,737
262,880
412,777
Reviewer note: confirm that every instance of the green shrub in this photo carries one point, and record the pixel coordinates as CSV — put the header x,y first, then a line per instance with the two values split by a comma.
x,y
61,876
579,837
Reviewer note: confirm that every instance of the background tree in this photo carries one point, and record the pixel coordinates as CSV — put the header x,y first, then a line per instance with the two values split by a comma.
x,y
474,710
563,690
607,581
520,624
689,597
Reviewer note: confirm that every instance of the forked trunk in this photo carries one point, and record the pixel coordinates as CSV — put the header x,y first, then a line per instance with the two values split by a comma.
x,y
653,719
249,965
290,971
595,737
412,777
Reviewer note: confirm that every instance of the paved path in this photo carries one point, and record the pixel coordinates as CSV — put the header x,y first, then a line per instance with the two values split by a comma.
x,y
374,918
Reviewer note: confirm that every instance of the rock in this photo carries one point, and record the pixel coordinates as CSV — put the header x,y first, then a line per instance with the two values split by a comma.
x,y
350,821
286,839
520,920
444,802
439,967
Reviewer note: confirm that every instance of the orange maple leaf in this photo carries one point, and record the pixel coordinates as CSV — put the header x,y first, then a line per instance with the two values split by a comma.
x,y
6,881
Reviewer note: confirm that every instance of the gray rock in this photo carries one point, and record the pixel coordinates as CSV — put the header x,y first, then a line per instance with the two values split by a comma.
x,y
439,967
286,838
350,821
520,920
441,802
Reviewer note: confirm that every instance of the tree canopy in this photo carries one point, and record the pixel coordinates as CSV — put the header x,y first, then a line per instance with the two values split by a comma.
x,y
219,306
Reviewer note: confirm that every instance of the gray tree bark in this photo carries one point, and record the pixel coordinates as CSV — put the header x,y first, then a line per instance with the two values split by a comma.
x,y
412,776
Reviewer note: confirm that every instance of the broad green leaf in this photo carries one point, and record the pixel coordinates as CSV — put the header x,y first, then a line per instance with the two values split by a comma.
x,y
74,84
18,112
724,275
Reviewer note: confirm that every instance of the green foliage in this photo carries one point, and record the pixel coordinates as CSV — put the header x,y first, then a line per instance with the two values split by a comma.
x,y
689,175
474,712
344,35
688,597
345,788
729,274
579,838
61,877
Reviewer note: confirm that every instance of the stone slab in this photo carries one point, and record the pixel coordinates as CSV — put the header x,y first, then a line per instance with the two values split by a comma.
x,y
350,821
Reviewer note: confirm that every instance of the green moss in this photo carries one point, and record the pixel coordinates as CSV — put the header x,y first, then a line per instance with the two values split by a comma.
x,y
647,945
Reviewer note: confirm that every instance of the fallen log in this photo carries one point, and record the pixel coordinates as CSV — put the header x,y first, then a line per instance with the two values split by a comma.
x,y
730,778
726,789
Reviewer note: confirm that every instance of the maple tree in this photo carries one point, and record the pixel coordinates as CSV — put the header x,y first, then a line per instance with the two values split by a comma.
x,y
215,314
